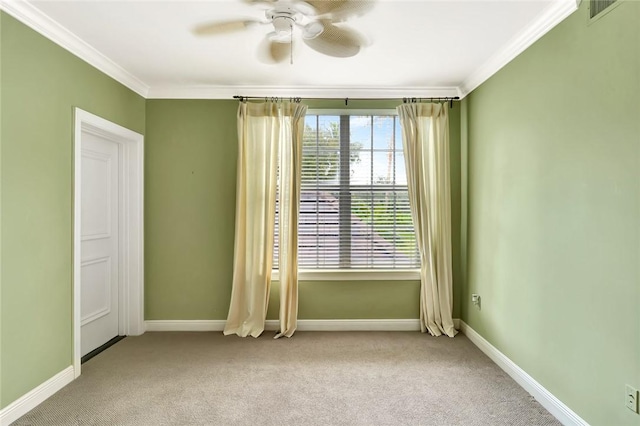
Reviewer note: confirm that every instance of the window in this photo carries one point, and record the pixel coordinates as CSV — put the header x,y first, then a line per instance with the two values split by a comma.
x,y
354,204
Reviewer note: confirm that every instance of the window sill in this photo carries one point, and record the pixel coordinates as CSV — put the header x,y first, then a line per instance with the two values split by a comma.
x,y
354,275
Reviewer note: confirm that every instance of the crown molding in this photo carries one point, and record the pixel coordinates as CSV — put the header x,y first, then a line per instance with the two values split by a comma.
x,y
43,24
227,92
552,16
34,18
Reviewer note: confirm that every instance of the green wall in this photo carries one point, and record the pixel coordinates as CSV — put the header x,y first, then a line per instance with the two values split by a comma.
x,y
41,84
190,170
191,151
554,212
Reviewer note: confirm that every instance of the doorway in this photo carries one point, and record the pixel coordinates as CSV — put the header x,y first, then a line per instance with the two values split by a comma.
x,y
108,234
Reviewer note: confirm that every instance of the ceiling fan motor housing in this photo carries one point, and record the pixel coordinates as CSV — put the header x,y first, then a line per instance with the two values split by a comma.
x,y
282,20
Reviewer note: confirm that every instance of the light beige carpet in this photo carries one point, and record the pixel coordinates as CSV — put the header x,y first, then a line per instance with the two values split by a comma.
x,y
314,378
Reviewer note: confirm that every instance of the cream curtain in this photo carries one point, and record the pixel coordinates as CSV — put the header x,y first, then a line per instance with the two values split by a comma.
x,y
289,202
425,138
267,132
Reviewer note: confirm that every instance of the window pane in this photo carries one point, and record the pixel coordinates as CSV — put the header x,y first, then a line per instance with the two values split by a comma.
x,y
361,168
383,132
320,166
360,132
398,133
310,123
383,168
378,236
329,130
318,232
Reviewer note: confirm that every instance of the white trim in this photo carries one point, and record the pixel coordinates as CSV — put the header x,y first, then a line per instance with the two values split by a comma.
x,y
131,299
35,397
354,275
37,20
303,325
184,325
556,407
227,92
343,111
552,16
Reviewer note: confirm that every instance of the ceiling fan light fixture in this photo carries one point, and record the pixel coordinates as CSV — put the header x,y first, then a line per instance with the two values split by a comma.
x,y
283,24
312,30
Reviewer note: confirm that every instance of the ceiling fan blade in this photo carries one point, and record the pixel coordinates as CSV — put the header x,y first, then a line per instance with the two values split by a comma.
x,y
259,1
272,52
341,10
223,27
261,4
280,52
336,41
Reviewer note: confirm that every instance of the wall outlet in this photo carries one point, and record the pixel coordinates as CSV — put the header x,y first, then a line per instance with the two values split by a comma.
x,y
476,300
631,398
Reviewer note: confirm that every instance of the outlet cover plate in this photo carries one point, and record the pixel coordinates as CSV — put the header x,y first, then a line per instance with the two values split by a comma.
x,y
631,398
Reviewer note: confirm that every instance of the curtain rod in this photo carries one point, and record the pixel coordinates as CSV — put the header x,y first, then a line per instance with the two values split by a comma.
x,y
412,100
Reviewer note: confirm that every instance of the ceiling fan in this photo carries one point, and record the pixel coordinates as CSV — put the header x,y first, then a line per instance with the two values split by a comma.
x,y
318,22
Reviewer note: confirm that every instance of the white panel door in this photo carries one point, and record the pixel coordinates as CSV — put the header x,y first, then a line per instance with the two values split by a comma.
x,y
99,241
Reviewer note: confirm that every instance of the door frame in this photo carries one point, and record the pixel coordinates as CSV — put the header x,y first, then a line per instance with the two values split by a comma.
x,y
131,237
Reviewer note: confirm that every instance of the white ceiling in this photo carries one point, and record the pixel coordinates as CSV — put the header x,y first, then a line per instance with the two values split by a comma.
x,y
417,48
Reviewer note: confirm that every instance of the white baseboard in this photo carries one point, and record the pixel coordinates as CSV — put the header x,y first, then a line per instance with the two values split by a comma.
x,y
35,397
184,325
352,325
556,407
303,325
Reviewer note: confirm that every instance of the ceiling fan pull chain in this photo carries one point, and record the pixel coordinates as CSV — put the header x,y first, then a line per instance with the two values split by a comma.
x,y
291,43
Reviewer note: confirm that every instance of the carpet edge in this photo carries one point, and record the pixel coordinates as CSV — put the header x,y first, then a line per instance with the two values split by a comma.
x,y
36,396
550,402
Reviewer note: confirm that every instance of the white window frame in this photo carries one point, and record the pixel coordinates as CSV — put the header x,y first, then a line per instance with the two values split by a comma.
x,y
354,274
